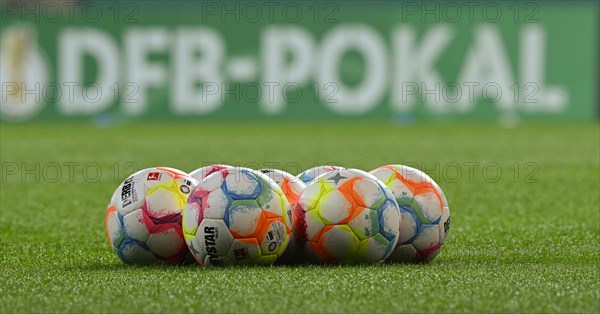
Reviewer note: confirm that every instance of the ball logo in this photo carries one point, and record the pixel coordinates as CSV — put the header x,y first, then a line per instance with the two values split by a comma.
x,y
241,253
23,73
211,235
337,178
128,195
184,189
153,176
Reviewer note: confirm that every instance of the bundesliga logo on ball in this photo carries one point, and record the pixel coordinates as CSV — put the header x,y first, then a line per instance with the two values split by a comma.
x,y
143,219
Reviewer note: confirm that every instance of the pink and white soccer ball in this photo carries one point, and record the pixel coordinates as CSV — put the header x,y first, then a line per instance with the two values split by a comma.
x,y
203,172
424,209
143,219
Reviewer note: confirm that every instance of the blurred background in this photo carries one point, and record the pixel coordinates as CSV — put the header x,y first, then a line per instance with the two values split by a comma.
x,y
406,62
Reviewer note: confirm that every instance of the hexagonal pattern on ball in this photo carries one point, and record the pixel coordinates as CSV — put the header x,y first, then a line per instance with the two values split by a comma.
x,y
143,218
246,217
347,216
424,209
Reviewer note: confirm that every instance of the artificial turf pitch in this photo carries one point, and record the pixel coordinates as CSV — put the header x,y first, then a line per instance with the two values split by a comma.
x,y
526,240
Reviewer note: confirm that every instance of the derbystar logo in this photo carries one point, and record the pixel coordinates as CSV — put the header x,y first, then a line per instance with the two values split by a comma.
x,y
128,192
211,234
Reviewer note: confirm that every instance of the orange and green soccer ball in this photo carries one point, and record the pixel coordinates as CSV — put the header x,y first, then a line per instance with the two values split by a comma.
x,y
291,187
143,219
347,216
236,216
424,210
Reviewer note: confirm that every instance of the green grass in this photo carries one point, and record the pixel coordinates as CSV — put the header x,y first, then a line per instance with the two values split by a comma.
x,y
526,242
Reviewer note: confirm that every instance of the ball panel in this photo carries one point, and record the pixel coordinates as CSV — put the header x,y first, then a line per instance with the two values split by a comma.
x,y
136,253
374,249
194,246
244,218
166,243
163,201
389,221
214,240
191,218
273,239
112,224
428,238
244,250
272,202
410,225
430,205
292,187
405,253
403,194
319,254
211,182
334,207
340,242
368,193
386,174
242,184
131,194
365,224
214,205
314,225
311,195
135,226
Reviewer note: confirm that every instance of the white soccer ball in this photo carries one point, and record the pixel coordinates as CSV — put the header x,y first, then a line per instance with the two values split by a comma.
x,y
143,219
236,216
424,209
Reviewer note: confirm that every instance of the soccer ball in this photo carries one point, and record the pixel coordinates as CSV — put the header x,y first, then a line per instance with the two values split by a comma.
x,y
347,216
201,173
143,219
424,210
309,175
236,216
291,187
